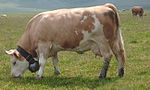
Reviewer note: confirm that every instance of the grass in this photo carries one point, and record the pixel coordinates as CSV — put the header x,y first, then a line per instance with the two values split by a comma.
x,y
82,71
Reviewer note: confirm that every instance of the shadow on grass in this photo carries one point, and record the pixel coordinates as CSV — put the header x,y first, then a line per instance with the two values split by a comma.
x,y
57,81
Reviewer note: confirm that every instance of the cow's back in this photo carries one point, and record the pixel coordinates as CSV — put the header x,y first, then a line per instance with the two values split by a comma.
x,y
65,27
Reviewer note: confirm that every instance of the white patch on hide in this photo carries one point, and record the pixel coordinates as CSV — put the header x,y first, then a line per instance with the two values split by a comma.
x,y
120,37
42,62
96,38
84,18
76,32
89,37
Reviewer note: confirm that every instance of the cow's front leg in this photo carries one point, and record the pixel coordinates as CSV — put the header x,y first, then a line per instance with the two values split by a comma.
x,y
55,63
42,62
105,67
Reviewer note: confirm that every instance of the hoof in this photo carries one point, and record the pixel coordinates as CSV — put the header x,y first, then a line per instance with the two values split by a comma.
x,y
56,72
121,72
102,76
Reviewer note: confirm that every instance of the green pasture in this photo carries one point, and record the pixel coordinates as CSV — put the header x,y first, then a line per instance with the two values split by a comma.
x,y
81,71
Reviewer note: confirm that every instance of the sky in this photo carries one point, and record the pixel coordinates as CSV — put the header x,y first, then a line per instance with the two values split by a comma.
x,y
31,6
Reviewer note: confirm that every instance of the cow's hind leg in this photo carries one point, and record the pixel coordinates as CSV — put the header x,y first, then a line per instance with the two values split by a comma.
x,y
105,66
107,55
119,52
55,63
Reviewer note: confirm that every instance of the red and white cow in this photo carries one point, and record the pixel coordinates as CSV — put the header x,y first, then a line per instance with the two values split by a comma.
x,y
137,10
79,29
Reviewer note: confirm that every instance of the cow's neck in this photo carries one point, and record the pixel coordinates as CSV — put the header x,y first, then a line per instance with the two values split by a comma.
x,y
26,44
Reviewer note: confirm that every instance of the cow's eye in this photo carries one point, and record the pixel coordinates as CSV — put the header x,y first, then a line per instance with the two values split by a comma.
x,y
14,63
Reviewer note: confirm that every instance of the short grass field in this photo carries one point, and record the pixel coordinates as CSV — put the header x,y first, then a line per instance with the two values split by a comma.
x,y
81,71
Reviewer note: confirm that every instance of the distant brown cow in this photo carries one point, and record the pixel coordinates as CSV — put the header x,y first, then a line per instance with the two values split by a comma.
x,y
137,10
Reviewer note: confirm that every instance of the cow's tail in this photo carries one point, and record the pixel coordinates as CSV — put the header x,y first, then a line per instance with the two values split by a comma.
x,y
118,45
121,46
113,7
119,41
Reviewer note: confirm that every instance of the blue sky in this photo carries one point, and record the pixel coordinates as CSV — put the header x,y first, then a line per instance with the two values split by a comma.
x,y
29,6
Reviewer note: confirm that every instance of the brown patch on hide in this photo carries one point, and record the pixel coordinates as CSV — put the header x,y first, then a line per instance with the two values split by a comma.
x,y
18,56
86,22
111,15
111,25
76,35
74,40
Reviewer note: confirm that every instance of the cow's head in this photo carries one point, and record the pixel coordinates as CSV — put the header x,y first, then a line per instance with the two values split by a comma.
x,y
18,63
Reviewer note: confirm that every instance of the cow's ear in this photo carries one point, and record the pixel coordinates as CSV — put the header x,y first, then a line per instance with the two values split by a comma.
x,y
13,52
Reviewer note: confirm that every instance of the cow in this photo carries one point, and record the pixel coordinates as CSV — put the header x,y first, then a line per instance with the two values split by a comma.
x,y
3,15
137,10
79,29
